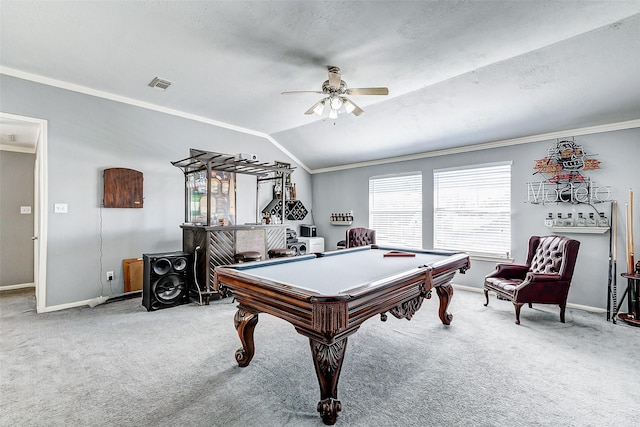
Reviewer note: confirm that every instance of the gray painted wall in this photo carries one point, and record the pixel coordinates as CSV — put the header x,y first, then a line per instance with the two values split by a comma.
x,y
87,134
16,229
618,151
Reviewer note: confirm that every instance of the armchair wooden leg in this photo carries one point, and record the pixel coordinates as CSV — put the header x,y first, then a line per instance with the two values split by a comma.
x,y
562,307
486,297
518,307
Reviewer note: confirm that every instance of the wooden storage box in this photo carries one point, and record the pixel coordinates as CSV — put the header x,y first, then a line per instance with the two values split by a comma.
x,y
133,274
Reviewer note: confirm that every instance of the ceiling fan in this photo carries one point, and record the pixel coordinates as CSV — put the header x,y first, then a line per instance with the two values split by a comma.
x,y
335,90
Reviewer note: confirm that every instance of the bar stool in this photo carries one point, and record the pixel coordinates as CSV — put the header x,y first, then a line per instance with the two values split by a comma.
x,y
247,256
280,253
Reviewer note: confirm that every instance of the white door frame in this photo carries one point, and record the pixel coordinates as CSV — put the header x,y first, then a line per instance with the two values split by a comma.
x,y
40,212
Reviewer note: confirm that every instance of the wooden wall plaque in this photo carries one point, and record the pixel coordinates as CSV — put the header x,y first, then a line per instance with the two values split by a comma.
x,y
123,188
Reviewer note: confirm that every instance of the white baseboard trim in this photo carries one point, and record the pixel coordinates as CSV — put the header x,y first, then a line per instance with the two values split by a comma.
x,y
587,308
569,305
53,307
467,288
18,286
67,305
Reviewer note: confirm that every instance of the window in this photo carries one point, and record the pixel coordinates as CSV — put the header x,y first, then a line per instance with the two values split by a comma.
x,y
472,209
395,209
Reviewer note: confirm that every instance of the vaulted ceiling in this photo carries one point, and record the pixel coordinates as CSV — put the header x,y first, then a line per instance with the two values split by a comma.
x,y
459,73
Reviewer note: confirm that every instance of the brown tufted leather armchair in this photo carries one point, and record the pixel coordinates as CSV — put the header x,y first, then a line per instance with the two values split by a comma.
x,y
360,236
545,279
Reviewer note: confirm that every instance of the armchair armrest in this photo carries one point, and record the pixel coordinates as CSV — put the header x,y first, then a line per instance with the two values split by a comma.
x,y
542,277
510,271
531,278
541,285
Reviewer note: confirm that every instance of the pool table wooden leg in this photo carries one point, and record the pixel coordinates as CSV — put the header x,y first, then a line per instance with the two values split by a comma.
x,y
245,322
444,293
327,359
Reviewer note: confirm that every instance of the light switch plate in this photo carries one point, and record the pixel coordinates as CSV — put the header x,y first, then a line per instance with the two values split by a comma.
x,y
60,208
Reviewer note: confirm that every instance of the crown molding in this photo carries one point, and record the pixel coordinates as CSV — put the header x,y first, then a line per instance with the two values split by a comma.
x,y
147,105
630,124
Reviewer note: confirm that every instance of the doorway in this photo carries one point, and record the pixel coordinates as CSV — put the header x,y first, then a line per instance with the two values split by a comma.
x,y
29,135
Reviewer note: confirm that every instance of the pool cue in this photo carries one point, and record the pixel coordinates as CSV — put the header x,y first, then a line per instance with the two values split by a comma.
x,y
628,248
610,277
614,236
626,234
631,253
632,262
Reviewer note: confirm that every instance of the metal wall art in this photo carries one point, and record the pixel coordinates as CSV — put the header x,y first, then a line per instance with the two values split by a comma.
x,y
564,182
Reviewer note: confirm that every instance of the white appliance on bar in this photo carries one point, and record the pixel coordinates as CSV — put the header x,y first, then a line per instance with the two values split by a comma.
x,y
314,244
248,157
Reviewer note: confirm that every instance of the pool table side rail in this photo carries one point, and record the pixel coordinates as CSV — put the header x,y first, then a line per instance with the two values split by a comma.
x,y
325,318
461,260
381,300
390,248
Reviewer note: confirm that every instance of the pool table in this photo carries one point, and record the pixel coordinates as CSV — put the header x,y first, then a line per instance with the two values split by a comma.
x,y
327,296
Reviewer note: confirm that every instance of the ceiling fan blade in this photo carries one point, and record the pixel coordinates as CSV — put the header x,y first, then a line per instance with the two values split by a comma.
x,y
334,77
294,92
316,105
351,107
368,91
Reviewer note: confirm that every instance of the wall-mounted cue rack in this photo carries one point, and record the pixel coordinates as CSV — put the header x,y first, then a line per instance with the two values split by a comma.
x,y
632,275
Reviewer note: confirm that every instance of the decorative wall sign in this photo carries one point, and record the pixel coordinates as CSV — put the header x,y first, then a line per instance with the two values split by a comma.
x,y
564,181
564,162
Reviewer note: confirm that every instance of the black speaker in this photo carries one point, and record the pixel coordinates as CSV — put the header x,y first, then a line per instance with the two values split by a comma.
x,y
166,279
300,248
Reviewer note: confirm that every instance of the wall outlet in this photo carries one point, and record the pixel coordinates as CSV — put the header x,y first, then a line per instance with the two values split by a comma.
x,y
109,275
61,208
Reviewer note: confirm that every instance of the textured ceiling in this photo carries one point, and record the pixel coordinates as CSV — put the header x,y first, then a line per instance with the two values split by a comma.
x,y
459,73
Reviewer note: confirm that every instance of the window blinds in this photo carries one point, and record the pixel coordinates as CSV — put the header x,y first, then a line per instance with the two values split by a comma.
x,y
472,210
395,209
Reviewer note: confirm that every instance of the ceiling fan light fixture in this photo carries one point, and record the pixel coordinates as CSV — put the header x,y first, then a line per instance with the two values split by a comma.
x,y
319,108
333,90
335,102
349,106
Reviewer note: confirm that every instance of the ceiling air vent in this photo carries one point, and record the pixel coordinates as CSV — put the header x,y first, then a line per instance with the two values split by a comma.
x,y
159,83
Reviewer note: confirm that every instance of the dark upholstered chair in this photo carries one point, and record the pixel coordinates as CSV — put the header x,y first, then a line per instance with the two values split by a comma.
x,y
544,279
360,236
